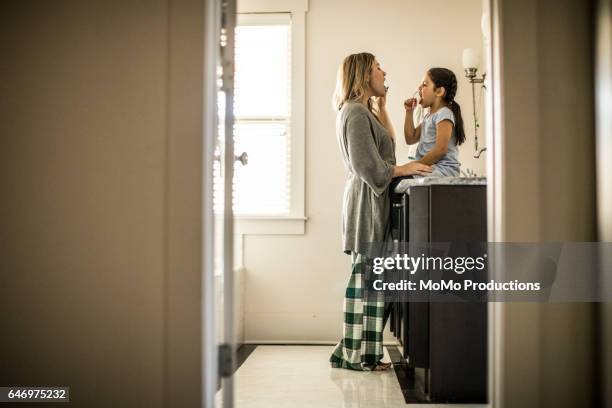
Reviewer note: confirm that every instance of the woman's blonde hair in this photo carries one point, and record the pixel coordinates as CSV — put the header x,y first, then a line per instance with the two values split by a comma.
x,y
353,80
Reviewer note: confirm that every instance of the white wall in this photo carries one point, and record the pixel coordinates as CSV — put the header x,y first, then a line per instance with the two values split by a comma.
x,y
295,284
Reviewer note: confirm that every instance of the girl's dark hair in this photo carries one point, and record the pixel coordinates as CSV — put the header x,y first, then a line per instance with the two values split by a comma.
x,y
446,78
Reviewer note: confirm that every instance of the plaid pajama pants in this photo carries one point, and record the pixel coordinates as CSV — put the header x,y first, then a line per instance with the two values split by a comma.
x,y
361,345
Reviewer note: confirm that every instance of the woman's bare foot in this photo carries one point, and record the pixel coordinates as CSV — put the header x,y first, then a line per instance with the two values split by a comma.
x,y
382,366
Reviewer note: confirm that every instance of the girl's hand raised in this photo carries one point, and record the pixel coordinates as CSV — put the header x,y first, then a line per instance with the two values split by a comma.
x,y
410,104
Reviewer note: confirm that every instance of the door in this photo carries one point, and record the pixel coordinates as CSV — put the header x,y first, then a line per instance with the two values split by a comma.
x,y
218,299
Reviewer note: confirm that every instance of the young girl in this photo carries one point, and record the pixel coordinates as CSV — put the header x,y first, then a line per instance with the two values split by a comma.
x,y
442,128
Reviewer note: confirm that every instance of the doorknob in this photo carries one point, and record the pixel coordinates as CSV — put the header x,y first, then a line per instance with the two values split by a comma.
x,y
243,158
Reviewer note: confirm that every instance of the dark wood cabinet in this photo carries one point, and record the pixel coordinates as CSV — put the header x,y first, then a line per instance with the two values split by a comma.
x,y
444,343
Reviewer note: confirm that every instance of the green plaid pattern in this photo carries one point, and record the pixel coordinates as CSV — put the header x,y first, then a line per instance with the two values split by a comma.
x,y
361,345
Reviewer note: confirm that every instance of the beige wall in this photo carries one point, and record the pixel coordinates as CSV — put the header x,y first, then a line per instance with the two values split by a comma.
x,y
295,284
100,162
548,191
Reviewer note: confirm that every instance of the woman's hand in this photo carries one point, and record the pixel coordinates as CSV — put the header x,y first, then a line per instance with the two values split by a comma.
x,y
413,167
416,167
410,104
381,101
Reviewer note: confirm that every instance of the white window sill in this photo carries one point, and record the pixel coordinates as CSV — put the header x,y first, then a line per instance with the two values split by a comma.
x,y
269,225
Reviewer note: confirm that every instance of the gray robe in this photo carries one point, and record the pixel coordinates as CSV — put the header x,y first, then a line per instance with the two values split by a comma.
x,y
369,157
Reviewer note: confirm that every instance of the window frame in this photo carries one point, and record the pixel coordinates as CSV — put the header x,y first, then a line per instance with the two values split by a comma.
x,y
294,222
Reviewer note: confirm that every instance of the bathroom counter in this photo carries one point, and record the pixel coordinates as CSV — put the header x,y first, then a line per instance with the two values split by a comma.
x,y
444,343
404,185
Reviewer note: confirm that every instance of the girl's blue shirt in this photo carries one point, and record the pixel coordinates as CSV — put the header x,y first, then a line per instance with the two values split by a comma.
x,y
449,164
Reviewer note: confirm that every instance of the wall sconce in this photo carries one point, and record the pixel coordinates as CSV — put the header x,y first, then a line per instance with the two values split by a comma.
x,y
470,64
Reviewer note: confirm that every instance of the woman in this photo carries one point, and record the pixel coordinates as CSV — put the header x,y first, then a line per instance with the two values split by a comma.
x,y
367,143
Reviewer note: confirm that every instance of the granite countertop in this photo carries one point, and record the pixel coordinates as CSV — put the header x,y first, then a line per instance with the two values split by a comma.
x,y
404,185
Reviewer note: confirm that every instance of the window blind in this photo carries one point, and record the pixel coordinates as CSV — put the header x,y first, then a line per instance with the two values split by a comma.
x,y
262,112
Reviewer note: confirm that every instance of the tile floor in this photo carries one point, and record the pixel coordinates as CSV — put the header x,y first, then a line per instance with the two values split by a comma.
x,y
301,377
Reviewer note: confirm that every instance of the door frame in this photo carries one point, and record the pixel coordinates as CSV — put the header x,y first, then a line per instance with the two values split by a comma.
x,y
495,191
210,357
189,367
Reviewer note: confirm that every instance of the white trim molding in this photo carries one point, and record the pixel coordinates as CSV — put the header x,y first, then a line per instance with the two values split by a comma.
x,y
272,6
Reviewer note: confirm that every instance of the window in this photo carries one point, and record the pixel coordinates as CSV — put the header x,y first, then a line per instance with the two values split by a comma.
x,y
262,111
269,110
